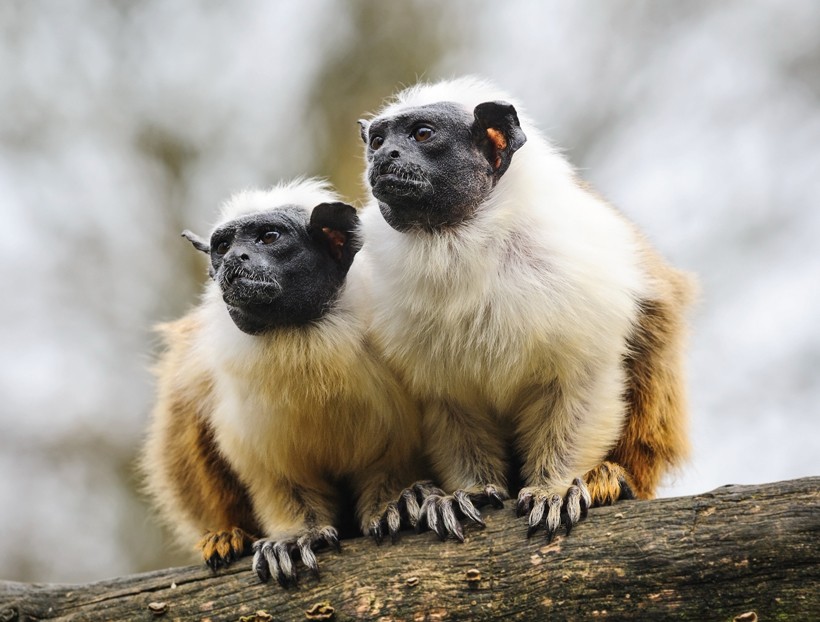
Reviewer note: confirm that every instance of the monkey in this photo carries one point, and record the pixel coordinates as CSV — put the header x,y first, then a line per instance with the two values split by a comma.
x,y
538,328
269,392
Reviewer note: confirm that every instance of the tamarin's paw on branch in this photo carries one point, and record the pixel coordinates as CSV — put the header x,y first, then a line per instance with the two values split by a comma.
x,y
607,483
221,548
547,509
403,512
276,557
443,513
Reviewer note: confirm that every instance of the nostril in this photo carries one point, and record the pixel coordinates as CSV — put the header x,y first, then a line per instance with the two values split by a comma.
x,y
394,154
244,257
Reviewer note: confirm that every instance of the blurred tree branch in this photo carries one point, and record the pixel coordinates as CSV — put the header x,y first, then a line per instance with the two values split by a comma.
x,y
739,552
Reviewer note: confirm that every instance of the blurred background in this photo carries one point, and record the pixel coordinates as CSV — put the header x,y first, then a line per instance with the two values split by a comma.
x,y
123,123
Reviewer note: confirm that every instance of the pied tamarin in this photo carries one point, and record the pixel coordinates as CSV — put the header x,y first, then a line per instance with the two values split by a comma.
x,y
541,332
270,393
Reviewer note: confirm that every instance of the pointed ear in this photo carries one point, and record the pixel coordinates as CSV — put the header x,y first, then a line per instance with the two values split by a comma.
x,y
198,242
335,225
364,126
498,133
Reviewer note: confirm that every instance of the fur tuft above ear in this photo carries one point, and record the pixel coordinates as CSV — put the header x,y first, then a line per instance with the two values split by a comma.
x,y
198,242
336,225
498,131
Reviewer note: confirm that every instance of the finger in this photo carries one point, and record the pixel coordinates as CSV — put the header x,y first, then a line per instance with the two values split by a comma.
x,y
308,556
287,569
449,521
410,504
424,512
433,518
393,520
264,562
536,515
586,498
467,508
375,530
331,537
524,505
553,520
573,508
496,496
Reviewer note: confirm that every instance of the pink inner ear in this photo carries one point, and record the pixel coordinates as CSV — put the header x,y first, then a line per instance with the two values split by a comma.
x,y
336,241
499,141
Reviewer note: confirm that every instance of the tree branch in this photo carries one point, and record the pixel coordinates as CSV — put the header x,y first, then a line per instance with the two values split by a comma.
x,y
737,550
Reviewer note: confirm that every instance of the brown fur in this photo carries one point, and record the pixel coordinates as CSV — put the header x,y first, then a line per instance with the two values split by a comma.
x,y
655,436
195,487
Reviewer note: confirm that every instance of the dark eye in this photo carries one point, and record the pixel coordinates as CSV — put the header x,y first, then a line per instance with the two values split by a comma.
x,y
269,237
376,142
222,248
420,134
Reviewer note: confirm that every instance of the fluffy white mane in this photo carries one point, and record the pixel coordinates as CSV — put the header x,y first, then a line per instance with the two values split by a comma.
x,y
302,192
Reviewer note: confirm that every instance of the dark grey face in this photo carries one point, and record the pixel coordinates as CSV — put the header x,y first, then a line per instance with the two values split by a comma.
x,y
281,268
432,166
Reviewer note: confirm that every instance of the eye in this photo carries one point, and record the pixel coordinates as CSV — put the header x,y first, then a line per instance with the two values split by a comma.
x,y
422,133
222,248
376,142
269,237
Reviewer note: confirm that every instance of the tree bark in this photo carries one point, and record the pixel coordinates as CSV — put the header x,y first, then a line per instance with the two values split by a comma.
x,y
737,553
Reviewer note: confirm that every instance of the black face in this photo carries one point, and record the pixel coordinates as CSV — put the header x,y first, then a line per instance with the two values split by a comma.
x,y
281,268
432,166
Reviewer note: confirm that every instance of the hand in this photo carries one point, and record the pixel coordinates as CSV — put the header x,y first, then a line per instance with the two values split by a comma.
x,y
220,548
442,513
276,557
548,509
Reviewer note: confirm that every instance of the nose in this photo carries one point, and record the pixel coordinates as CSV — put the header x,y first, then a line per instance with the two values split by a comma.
x,y
394,154
238,253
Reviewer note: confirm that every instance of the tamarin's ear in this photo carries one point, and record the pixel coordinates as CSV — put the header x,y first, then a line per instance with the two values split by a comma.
x,y
498,133
363,127
198,242
335,225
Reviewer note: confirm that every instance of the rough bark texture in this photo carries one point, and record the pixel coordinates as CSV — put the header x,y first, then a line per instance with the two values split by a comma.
x,y
740,552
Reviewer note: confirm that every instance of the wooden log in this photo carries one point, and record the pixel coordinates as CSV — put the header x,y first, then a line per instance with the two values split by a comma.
x,y
737,553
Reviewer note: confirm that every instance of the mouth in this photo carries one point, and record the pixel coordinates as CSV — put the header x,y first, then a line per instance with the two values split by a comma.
x,y
397,179
241,291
